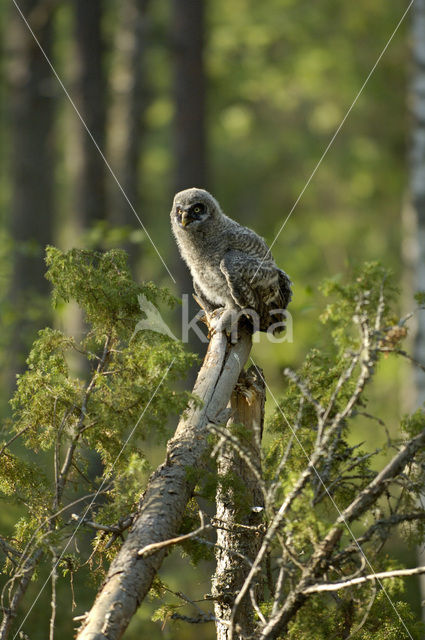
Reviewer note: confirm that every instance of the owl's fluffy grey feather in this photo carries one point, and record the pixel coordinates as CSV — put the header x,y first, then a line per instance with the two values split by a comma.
x,y
231,266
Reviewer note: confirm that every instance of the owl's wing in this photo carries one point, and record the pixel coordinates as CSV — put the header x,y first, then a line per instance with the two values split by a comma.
x,y
285,289
251,280
259,285
250,244
251,250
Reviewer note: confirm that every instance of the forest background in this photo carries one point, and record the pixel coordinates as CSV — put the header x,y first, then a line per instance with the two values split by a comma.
x,y
240,97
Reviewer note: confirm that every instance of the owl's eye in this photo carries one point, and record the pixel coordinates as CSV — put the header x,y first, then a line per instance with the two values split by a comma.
x,y
197,209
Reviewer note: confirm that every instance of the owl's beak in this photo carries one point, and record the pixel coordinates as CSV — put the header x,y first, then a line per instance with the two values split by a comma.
x,y
185,218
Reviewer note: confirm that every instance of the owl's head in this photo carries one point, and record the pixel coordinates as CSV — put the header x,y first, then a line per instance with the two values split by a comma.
x,y
193,207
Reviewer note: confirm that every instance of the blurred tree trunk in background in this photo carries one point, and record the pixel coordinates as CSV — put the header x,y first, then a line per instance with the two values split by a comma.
x,y
189,93
417,196
88,170
131,98
188,35
32,104
92,103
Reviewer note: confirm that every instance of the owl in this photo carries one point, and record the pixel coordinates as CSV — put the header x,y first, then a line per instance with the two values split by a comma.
x,y
232,268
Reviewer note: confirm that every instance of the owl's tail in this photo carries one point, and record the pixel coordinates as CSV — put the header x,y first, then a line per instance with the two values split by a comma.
x,y
272,307
285,289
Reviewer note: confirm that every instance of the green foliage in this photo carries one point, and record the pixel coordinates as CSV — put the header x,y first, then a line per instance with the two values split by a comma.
x,y
165,612
414,423
127,390
83,433
383,624
360,325
22,481
369,285
102,286
281,75
323,617
192,548
420,298
102,234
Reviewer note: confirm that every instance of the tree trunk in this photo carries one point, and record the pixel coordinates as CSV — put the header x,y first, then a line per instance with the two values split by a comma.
x,y
169,489
417,194
32,106
239,507
92,101
189,120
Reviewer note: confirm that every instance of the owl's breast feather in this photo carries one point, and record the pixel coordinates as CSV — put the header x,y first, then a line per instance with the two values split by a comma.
x,y
203,253
212,283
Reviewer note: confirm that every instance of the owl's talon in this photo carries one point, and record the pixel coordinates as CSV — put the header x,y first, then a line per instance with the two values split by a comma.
x,y
224,321
214,319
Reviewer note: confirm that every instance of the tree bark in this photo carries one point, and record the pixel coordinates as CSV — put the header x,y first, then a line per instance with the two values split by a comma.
x,y
31,114
235,508
169,489
417,196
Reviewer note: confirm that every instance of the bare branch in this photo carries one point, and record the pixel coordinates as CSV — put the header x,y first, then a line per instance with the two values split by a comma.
x,y
404,354
275,484
62,476
8,550
156,546
335,586
381,306
15,437
304,390
366,613
26,573
378,485
116,529
206,617
54,577
380,526
322,557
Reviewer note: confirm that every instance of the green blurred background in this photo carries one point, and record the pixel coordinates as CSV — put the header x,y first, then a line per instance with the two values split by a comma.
x,y
239,97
